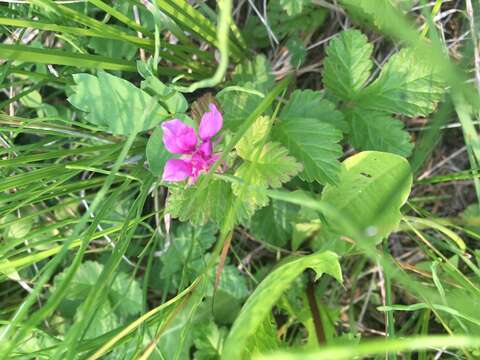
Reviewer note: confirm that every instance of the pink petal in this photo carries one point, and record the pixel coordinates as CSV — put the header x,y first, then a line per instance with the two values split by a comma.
x,y
206,148
212,122
178,137
176,170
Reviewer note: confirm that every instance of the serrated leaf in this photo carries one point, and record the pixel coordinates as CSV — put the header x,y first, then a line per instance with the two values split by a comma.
x,y
269,166
406,85
348,64
257,72
373,186
311,104
372,130
314,144
211,204
297,50
115,104
254,75
125,295
258,306
273,224
255,134
185,255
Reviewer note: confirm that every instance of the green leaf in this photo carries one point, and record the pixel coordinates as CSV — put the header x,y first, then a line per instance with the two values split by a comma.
x,y
372,188
116,49
200,207
293,7
348,64
115,104
254,136
269,166
407,85
314,144
208,339
257,72
124,296
157,154
273,224
297,51
186,253
172,100
258,306
310,104
254,75
371,130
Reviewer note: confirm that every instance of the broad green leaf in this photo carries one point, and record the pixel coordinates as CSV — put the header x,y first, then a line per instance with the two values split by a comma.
x,y
157,154
260,303
269,166
273,224
208,339
348,64
124,295
371,189
406,85
115,49
372,130
310,104
115,104
314,144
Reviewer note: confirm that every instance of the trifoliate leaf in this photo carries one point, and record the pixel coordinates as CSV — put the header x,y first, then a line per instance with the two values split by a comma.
x,y
348,64
115,104
371,130
311,104
314,144
406,85
269,166
273,224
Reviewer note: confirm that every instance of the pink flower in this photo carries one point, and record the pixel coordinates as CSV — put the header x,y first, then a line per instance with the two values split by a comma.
x,y
198,156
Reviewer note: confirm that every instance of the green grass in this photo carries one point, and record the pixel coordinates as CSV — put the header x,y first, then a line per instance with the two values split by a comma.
x,y
101,259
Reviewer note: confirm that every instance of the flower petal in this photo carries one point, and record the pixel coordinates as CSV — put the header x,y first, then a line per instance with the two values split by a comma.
x,y
178,137
206,148
176,170
212,122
